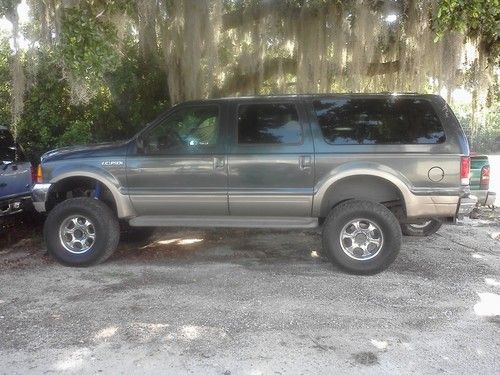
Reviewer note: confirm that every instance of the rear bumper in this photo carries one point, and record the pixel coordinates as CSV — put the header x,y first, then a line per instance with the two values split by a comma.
x,y
39,195
14,205
444,206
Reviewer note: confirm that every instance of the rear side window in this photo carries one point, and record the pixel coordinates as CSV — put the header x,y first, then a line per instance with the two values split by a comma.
x,y
269,124
378,121
7,146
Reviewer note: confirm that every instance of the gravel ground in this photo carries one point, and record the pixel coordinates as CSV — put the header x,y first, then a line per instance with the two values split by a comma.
x,y
251,302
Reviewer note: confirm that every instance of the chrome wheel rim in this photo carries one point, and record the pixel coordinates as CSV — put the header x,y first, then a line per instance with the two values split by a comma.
x,y
422,225
361,239
77,234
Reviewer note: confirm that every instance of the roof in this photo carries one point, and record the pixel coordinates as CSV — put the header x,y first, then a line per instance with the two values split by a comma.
x,y
307,96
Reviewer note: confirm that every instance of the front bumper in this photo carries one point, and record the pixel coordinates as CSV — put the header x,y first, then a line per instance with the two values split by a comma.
x,y
39,195
466,205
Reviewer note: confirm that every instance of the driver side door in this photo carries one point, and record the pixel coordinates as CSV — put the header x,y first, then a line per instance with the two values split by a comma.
x,y
178,167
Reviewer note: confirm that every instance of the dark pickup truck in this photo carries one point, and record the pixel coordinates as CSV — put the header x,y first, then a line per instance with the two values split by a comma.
x,y
16,175
360,166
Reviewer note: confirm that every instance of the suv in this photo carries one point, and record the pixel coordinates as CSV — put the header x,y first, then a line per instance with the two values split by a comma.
x,y
358,165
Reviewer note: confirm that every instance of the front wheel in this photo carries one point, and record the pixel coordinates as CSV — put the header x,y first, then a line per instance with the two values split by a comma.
x,y
423,229
361,237
81,232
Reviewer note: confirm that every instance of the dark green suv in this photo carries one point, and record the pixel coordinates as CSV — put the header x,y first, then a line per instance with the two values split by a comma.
x,y
360,166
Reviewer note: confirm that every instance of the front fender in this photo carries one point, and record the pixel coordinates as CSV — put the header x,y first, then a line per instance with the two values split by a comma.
x,y
123,205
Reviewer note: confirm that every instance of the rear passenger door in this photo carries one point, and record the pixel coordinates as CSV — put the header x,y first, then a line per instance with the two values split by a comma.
x,y
271,166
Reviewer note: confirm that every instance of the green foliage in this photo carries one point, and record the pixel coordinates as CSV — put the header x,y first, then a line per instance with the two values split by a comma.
x,y
122,103
8,7
475,18
96,45
5,83
486,140
87,44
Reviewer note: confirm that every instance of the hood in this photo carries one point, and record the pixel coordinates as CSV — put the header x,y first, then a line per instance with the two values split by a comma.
x,y
87,151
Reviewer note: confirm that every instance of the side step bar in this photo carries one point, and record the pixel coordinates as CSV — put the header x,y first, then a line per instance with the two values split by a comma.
x,y
224,222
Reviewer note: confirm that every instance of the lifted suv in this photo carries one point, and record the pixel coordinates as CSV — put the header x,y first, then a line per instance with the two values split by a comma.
x,y
361,166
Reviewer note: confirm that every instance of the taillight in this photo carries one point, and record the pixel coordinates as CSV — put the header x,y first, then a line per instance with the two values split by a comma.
x,y
33,174
39,174
465,170
484,182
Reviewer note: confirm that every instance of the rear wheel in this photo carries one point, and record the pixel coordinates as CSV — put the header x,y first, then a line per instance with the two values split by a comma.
x,y
361,237
423,229
81,232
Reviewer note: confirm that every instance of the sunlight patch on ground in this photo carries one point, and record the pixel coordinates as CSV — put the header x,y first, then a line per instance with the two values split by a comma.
x,y
489,305
106,333
189,241
179,241
167,242
74,360
152,327
191,332
382,345
491,282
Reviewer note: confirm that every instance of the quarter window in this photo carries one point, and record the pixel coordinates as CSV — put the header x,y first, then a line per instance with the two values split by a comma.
x,y
269,124
189,129
378,121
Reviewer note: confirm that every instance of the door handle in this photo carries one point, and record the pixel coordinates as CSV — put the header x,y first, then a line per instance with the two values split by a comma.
x,y
304,162
219,162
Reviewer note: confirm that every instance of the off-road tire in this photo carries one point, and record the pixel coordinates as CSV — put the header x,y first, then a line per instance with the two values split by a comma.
x,y
107,231
421,231
350,210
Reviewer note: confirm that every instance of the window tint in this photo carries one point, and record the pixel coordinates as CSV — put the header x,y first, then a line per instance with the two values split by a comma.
x,y
189,129
268,123
7,146
6,139
378,121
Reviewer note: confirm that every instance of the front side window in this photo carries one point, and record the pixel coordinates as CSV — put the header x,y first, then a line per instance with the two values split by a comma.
x,y
378,121
269,124
188,129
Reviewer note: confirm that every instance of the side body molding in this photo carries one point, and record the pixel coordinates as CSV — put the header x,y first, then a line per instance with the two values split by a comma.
x,y
356,169
123,205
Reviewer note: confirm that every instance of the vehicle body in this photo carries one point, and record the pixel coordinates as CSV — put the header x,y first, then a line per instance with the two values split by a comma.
x,y
273,162
16,175
480,180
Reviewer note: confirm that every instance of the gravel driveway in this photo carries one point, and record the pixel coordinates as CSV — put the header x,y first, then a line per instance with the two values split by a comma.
x,y
252,302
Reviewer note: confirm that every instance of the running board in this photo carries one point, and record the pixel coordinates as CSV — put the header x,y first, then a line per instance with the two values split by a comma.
x,y
224,222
